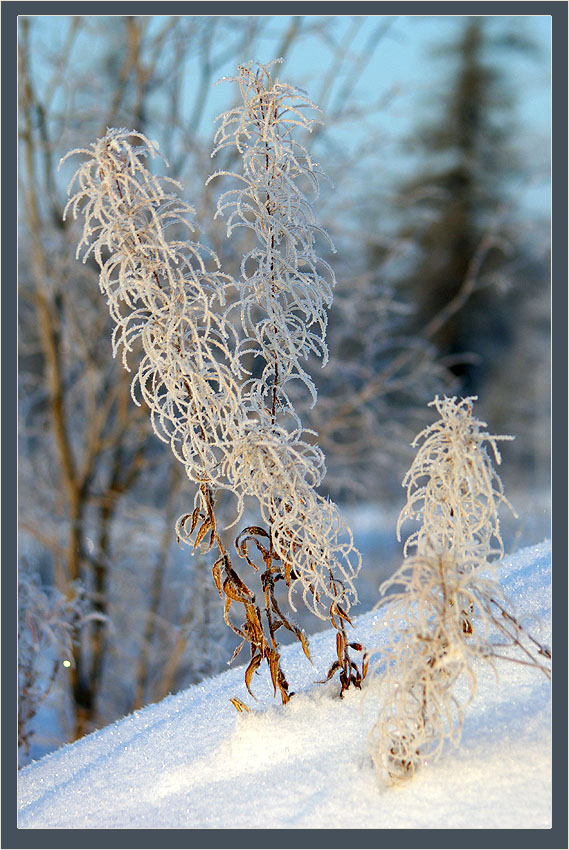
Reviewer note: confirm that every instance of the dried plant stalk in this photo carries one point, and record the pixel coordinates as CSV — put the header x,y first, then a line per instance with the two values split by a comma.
x,y
450,611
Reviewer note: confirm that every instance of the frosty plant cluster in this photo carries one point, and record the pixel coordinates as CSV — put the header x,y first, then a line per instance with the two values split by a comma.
x,y
215,357
233,428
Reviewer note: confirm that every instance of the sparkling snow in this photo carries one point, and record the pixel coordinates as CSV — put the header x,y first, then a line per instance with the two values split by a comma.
x,y
193,762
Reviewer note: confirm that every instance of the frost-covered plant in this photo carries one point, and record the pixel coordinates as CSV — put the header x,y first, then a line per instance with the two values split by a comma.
x,y
452,487
49,624
284,291
285,287
443,608
230,429
161,291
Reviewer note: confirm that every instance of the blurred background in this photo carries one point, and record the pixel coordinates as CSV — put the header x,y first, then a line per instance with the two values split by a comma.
x,y
436,139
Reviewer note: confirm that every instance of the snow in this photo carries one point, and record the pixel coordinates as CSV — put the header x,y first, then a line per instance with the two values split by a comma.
x,y
192,761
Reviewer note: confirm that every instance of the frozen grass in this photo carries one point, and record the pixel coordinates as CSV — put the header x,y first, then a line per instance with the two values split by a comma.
x,y
193,762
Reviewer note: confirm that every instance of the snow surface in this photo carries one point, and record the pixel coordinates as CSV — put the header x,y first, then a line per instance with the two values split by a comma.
x,y
192,761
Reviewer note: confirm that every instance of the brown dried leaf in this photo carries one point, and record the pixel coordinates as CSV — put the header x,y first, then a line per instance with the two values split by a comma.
x,y
209,507
285,696
273,659
243,552
195,516
335,666
182,525
304,641
253,666
255,629
240,706
283,687
235,587
340,646
343,614
216,572
203,530
255,529
233,592
242,547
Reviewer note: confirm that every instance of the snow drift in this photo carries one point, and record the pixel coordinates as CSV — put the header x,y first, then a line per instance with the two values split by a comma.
x,y
193,762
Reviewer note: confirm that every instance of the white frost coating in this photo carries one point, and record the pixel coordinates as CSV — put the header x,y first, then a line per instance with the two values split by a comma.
x,y
161,293
452,487
284,292
285,287
168,296
309,537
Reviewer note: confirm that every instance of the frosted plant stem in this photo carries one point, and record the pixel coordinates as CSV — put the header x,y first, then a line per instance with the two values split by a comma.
x,y
285,290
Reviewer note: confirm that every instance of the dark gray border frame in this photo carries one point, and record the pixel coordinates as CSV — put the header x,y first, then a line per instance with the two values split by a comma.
x,y
554,838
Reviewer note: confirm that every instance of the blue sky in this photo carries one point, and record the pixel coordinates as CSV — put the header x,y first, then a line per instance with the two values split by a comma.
x,y
403,72
402,59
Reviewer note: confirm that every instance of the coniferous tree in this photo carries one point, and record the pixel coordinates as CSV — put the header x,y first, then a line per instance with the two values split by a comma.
x,y
479,276
462,283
